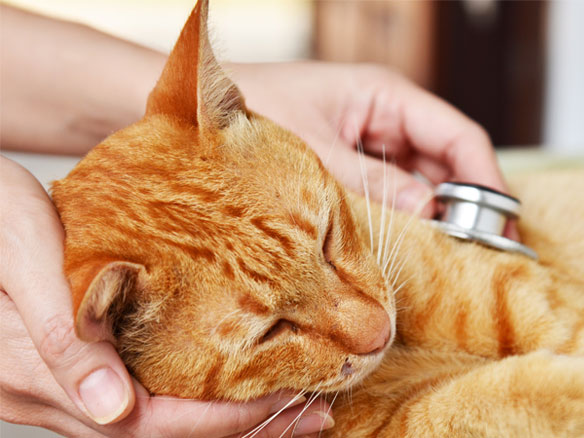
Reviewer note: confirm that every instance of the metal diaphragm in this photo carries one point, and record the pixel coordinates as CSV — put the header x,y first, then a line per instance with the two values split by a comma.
x,y
478,213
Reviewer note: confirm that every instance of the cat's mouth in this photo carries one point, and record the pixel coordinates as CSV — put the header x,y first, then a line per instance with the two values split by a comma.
x,y
355,368
351,372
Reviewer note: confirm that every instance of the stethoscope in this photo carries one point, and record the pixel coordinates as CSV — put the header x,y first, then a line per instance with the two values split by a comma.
x,y
480,214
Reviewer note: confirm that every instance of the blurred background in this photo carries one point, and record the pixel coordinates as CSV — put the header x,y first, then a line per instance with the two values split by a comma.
x,y
517,67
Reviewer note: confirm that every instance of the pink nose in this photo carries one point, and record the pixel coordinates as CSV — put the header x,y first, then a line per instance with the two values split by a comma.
x,y
374,334
362,326
355,322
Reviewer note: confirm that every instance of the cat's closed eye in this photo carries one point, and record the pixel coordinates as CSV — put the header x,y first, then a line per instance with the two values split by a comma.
x,y
327,247
281,326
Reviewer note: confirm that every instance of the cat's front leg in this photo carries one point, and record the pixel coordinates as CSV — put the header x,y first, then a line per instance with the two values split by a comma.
x,y
539,395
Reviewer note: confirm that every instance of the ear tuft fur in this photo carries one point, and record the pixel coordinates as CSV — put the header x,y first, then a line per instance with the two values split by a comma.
x,y
113,284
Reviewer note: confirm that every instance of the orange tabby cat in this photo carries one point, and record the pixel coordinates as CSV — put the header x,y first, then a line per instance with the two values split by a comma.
x,y
224,262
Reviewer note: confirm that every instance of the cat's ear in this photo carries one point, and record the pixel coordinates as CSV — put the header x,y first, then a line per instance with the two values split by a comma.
x,y
110,289
193,86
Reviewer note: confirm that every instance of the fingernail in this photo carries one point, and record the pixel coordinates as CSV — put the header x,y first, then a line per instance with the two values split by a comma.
x,y
412,198
104,395
314,423
283,403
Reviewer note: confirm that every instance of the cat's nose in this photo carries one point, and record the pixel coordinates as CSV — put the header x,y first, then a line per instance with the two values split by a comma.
x,y
361,325
355,322
374,334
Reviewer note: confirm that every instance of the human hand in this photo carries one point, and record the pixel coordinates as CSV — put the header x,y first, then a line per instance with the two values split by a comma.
x,y
331,106
51,379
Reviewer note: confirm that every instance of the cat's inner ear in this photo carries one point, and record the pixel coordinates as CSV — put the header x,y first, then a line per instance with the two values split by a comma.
x,y
106,296
193,86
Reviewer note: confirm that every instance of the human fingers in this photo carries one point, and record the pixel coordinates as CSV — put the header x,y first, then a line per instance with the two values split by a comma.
x,y
402,116
431,169
29,393
173,417
92,374
438,130
311,418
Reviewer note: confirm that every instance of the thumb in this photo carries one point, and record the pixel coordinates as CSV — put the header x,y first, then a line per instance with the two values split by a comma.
x,y
382,182
92,374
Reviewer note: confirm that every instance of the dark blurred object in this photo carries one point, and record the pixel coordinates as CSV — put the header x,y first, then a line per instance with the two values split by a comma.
x,y
491,65
486,57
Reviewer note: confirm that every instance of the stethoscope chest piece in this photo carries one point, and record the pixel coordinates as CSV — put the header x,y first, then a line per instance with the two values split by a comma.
x,y
478,213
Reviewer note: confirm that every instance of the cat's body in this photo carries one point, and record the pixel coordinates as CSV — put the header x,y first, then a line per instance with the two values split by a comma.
x,y
222,259
489,343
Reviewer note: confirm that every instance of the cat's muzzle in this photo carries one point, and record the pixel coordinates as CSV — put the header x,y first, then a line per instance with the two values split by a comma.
x,y
478,213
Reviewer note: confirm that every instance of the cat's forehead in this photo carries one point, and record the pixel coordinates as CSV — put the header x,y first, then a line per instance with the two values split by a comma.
x,y
251,157
259,138
279,161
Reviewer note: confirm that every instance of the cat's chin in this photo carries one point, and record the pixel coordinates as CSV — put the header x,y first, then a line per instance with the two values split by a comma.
x,y
354,370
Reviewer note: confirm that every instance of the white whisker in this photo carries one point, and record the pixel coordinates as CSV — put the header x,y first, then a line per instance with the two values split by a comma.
x,y
398,242
401,286
391,277
363,166
329,410
262,425
203,415
328,155
383,208
392,214
399,268
294,422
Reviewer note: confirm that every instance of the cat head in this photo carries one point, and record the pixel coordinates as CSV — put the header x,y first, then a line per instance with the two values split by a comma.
x,y
215,251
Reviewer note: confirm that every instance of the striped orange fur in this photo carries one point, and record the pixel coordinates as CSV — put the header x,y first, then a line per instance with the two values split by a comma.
x,y
224,262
